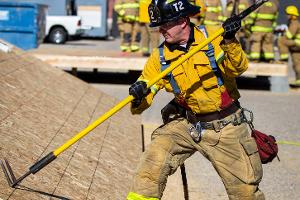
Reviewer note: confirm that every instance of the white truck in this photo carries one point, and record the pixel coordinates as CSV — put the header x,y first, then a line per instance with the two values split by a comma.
x,y
60,28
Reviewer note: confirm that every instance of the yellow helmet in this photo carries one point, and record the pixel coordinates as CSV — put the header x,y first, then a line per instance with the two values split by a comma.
x,y
292,10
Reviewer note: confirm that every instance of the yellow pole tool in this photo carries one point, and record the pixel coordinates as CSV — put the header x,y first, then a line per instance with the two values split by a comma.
x,y
13,182
130,98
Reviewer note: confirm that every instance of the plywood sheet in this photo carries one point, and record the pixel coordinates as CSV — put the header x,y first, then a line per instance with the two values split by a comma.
x,y
42,107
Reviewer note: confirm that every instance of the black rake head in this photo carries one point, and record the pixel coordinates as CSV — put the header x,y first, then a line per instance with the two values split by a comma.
x,y
8,172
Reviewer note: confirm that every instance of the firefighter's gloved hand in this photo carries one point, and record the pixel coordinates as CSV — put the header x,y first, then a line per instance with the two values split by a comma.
x,y
138,90
231,26
172,111
168,112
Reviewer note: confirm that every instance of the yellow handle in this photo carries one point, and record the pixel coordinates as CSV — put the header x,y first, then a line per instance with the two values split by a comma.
x,y
128,99
93,125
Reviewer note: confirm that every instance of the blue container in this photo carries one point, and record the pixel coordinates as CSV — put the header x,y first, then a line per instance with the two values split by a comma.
x,y
55,7
93,14
22,24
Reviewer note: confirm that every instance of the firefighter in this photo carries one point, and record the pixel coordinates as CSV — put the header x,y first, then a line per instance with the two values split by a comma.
x,y
264,21
199,17
291,41
245,32
117,9
280,33
149,36
205,115
229,9
128,11
214,13
236,7
120,27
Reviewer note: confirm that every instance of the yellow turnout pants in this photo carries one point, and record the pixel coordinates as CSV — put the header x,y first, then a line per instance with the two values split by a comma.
x,y
232,152
262,46
149,38
296,63
131,36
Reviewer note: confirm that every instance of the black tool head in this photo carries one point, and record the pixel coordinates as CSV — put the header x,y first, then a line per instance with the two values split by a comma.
x,y
10,177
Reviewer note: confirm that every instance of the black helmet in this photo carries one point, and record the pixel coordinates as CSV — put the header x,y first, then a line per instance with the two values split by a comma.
x,y
163,11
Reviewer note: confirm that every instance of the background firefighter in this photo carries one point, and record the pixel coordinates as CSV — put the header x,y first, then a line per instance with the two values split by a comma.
x,y
207,113
264,21
214,13
236,7
128,22
198,18
149,37
291,42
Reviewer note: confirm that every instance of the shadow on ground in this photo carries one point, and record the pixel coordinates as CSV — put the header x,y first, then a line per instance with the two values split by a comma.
x,y
108,77
46,194
257,83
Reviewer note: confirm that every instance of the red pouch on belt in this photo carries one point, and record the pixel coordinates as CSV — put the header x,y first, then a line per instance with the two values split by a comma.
x,y
266,145
226,100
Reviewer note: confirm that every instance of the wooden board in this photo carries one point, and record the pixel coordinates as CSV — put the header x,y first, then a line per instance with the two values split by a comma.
x,y
137,63
42,107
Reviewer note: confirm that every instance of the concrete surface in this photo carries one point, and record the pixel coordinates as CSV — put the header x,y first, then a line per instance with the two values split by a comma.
x,y
275,113
42,107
